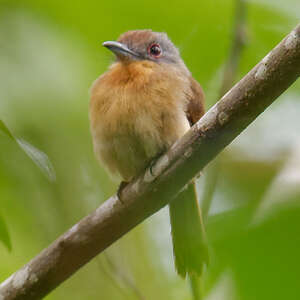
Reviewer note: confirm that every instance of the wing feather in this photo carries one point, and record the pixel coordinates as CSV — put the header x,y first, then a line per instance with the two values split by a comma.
x,y
195,106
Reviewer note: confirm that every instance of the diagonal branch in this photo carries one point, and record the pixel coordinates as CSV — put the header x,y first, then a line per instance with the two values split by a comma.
x,y
153,190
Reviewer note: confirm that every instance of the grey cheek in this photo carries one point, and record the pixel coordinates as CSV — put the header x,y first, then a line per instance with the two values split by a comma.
x,y
168,59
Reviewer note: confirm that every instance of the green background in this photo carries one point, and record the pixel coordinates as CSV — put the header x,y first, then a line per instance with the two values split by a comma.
x,y
50,53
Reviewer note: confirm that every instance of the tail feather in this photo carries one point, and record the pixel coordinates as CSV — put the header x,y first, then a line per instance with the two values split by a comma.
x,y
188,234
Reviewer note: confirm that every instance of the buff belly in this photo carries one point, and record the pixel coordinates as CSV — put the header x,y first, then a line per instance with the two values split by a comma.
x,y
127,149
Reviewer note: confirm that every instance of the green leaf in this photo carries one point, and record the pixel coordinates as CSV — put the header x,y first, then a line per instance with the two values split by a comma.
x,y
37,156
4,235
5,130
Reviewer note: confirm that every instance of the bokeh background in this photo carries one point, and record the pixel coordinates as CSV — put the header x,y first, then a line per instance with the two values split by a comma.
x,y
50,53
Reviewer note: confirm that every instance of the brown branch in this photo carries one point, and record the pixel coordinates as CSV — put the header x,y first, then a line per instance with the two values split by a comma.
x,y
153,190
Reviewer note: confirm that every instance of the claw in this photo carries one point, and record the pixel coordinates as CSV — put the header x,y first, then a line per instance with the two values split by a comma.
x,y
120,188
153,161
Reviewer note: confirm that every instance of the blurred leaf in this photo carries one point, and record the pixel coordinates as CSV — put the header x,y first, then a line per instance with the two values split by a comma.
x,y
4,235
5,130
267,258
37,156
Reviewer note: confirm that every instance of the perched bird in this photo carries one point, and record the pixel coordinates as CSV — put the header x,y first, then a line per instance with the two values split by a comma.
x,y
146,101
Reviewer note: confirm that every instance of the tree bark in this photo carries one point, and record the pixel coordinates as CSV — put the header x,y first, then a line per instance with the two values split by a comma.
x,y
156,187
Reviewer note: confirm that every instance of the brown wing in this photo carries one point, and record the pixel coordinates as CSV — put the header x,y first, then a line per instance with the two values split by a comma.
x,y
195,107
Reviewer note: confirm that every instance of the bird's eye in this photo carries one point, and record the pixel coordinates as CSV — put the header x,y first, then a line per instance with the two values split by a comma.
x,y
154,50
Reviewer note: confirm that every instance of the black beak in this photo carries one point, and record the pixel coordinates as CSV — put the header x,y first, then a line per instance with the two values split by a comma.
x,y
120,49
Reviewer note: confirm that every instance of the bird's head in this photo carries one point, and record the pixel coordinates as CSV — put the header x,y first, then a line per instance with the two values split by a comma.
x,y
144,45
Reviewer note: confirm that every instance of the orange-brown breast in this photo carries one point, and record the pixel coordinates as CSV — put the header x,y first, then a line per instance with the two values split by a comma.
x,y
137,110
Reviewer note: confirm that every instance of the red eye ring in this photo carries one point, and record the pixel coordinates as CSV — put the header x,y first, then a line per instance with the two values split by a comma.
x,y
154,50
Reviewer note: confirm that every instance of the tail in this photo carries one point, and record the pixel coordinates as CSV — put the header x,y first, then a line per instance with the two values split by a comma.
x,y
188,234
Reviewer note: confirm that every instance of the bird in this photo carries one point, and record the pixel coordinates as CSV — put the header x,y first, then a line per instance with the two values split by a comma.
x,y
139,108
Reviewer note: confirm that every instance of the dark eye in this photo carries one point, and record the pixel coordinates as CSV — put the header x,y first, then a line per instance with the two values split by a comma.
x,y
154,50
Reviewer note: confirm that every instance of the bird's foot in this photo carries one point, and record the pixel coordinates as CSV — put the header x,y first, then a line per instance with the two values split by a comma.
x,y
120,188
153,161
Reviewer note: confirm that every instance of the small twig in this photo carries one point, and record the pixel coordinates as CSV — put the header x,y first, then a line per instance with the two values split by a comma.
x,y
111,277
237,46
209,187
124,277
229,75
